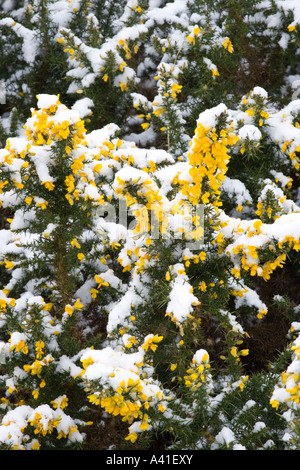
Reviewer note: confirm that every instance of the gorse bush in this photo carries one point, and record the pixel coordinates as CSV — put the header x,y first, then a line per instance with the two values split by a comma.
x,y
150,225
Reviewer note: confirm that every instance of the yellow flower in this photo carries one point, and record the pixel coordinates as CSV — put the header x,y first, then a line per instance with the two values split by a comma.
x,y
19,185
78,305
48,185
233,351
36,368
74,242
264,114
257,224
100,281
262,313
97,168
94,399
115,245
144,425
227,44
80,256
36,445
94,293
39,345
176,88
162,408
215,72
151,343
69,199
244,352
131,437
191,39
123,86
20,347
236,272
47,307
274,404
69,309
205,198
43,205
9,265
202,286
64,403
132,340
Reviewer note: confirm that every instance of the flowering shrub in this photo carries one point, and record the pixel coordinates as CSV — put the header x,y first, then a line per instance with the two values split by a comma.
x,y
147,229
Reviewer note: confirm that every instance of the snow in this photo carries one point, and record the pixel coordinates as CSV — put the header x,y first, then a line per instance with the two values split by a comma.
x,y
249,132
30,43
259,91
118,316
209,117
225,436
83,107
182,300
107,360
290,5
236,189
171,12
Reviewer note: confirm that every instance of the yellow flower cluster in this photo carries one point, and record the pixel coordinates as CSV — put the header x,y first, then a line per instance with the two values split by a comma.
x,y
15,152
128,389
69,309
193,34
250,262
198,371
288,389
45,128
48,129
236,353
122,403
48,126
259,249
129,401
152,342
227,44
270,206
292,385
46,423
208,159
20,347
41,428
292,154
122,43
36,367
150,196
